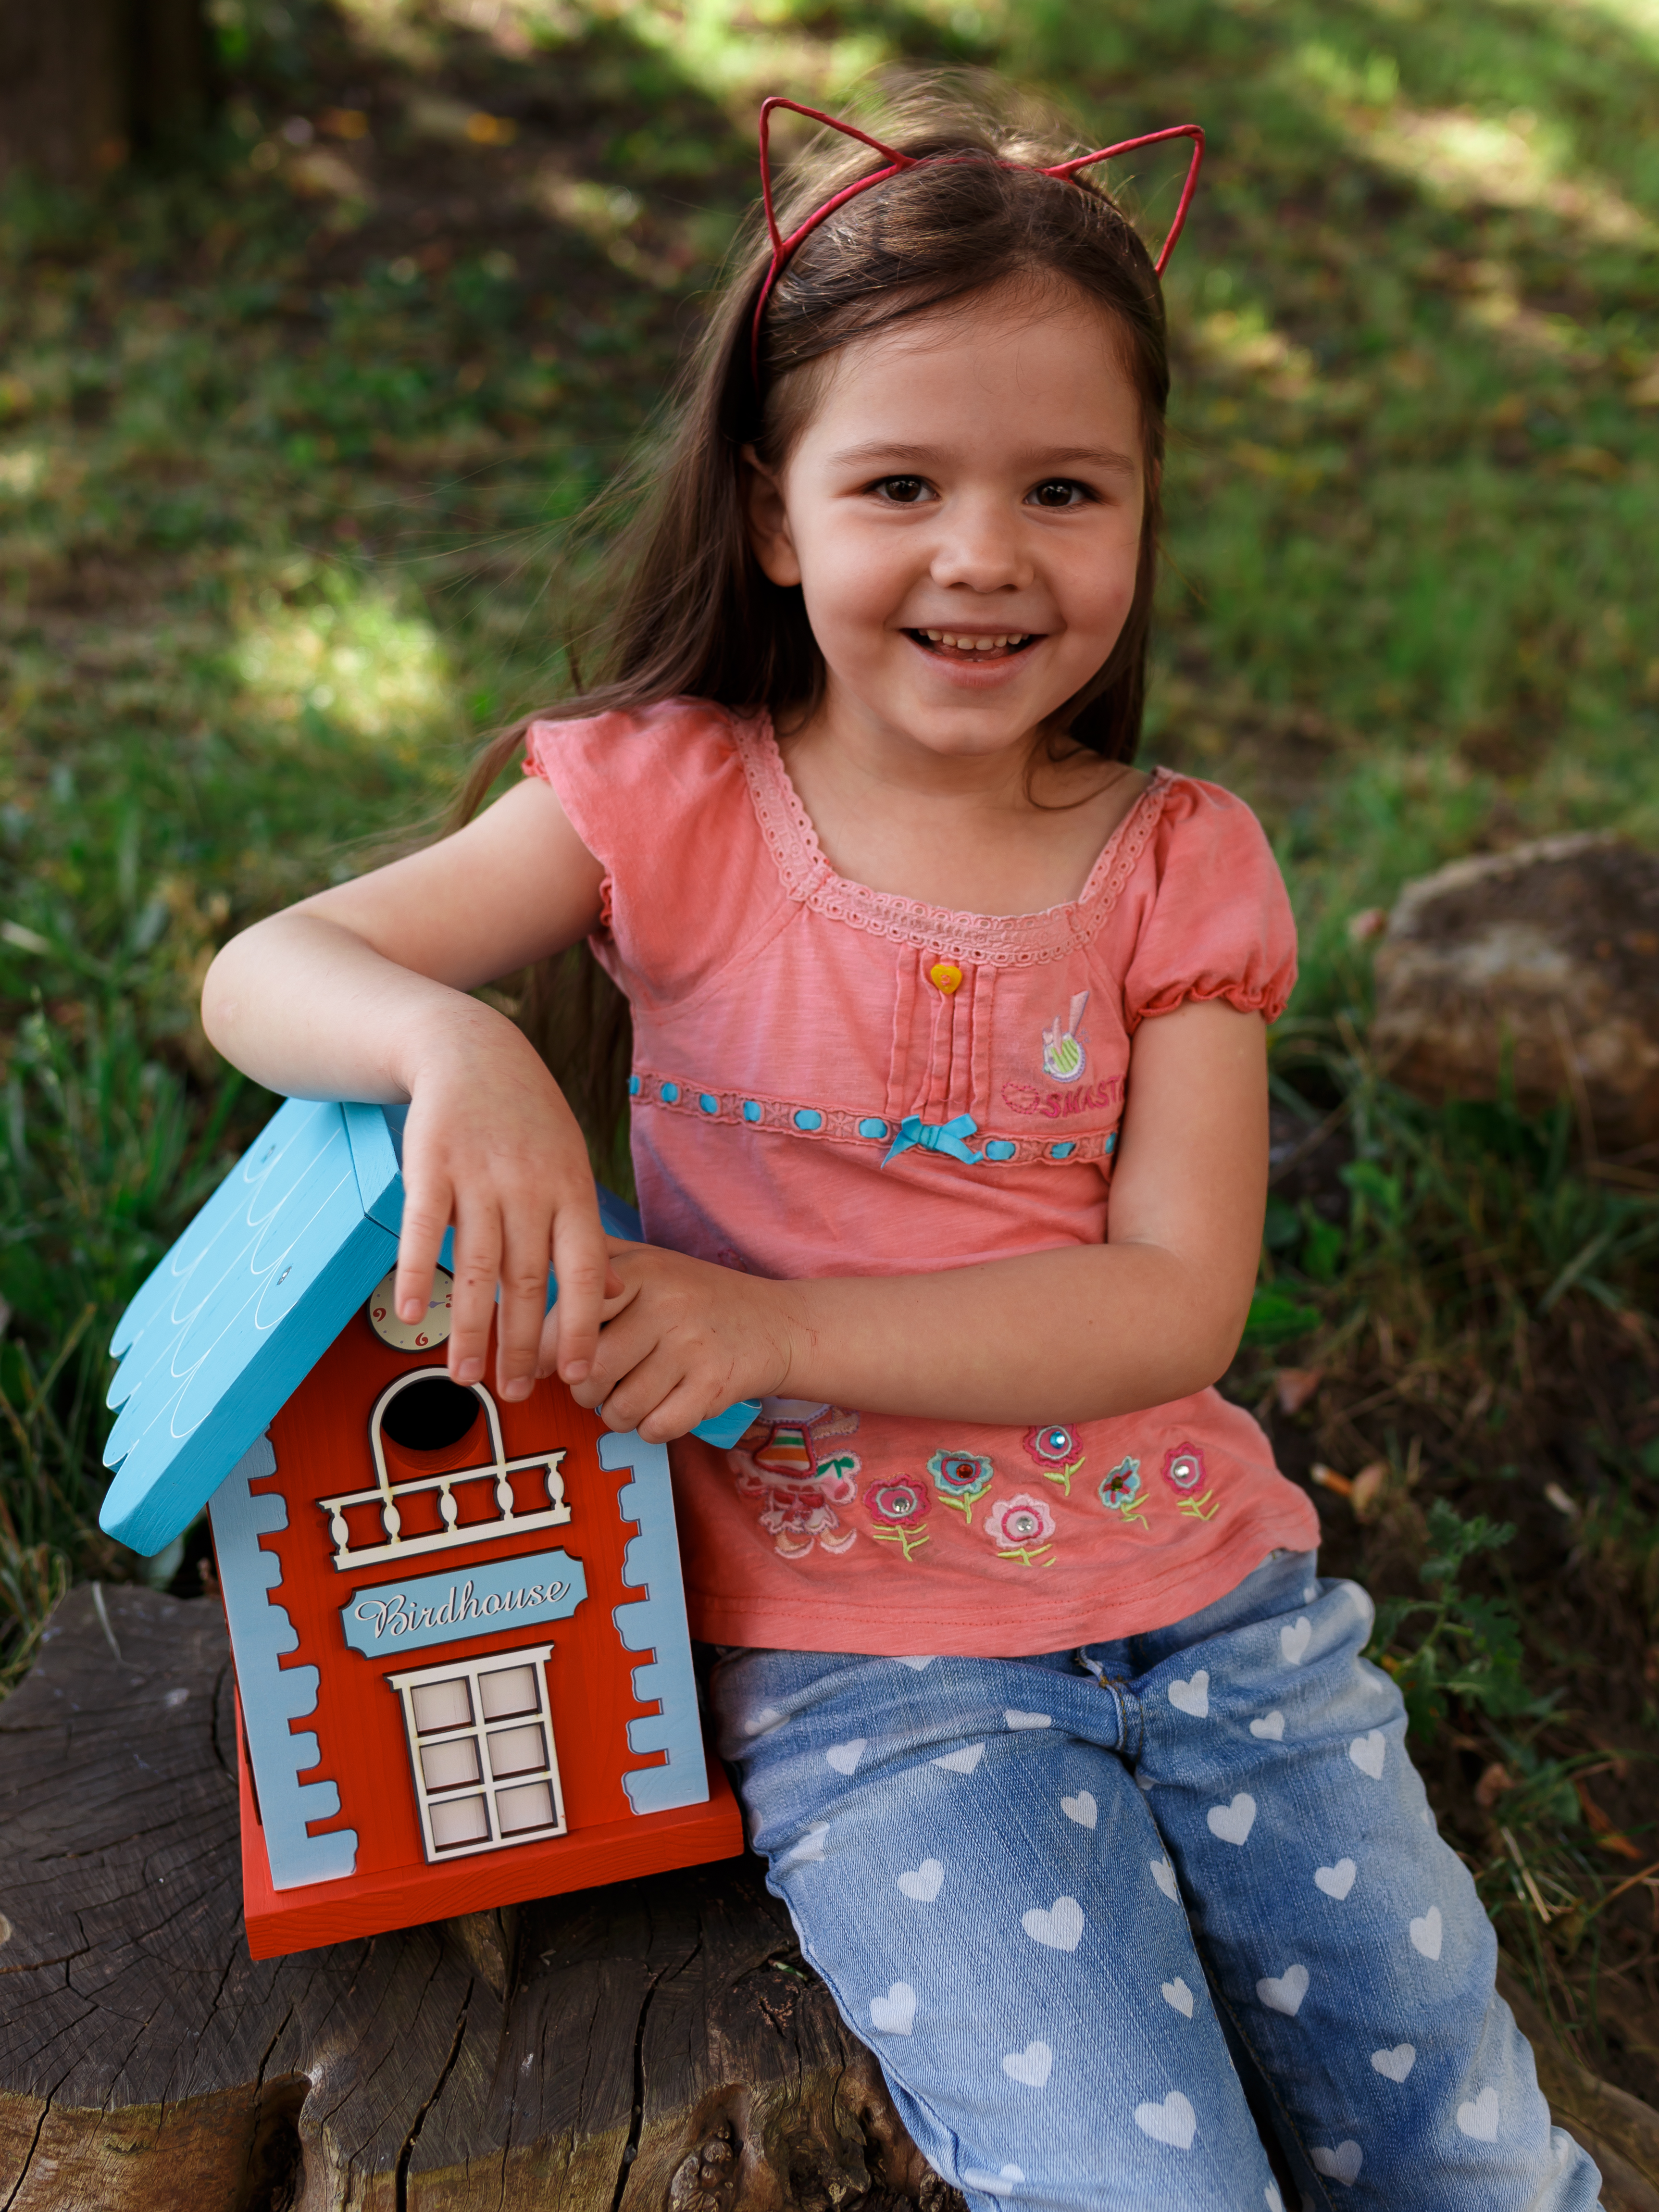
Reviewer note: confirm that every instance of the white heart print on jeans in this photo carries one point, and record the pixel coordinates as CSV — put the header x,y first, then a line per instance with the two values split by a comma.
x,y
895,2013
1061,1927
1173,2122
1042,1955
1032,2066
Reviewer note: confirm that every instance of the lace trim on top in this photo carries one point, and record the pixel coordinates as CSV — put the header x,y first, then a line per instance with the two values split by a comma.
x,y
997,940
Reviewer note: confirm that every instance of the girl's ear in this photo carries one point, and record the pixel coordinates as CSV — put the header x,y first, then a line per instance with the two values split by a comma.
x,y
766,517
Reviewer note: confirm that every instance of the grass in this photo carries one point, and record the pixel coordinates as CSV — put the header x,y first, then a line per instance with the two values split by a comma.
x,y
288,436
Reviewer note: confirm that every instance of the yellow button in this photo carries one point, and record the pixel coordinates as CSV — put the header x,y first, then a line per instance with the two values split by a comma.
x,y
945,975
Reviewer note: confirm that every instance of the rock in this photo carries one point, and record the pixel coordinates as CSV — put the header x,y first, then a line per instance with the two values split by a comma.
x,y
1548,956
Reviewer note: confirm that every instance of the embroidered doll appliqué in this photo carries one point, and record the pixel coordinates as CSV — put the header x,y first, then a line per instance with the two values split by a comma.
x,y
1184,1471
1064,1055
1022,1527
1057,1451
960,1477
787,1460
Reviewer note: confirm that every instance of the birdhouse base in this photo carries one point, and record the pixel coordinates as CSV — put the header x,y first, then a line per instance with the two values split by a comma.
x,y
281,1920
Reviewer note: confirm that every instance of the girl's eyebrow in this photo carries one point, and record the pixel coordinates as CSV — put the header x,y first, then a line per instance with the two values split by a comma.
x,y
1036,458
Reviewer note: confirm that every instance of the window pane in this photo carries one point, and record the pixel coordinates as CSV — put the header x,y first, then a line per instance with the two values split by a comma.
x,y
509,1689
529,1806
441,1704
517,1751
447,1766
460,1820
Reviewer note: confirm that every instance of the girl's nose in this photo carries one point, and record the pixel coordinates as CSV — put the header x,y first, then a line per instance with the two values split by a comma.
x,y
979,548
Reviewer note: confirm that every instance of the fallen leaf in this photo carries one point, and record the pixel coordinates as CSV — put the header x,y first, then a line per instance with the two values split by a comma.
x,y
1492,1784
1328,1478
1609,1838
1367,1486
1294,1386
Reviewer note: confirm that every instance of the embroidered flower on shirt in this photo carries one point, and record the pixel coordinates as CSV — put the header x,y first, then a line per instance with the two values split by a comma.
x,y
960,1477
781,1460
1184,1471
1122,1491
1057,1452
899,1508
1020,1527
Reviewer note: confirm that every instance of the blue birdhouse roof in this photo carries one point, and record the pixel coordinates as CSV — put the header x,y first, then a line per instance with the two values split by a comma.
x,y
236,1316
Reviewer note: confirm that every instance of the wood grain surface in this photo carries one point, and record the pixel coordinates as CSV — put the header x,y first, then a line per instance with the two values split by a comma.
x,y
657,2046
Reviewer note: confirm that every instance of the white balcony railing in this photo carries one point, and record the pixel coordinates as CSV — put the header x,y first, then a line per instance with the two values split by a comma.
x,y
507,1517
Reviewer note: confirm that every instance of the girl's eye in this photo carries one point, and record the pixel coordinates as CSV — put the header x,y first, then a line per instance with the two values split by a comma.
x,y
902,491
1059,491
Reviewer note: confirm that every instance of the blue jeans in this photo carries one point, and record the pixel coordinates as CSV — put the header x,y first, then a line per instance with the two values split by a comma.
x,y
1059,1896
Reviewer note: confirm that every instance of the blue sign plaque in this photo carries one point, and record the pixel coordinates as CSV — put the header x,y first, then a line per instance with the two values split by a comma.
x,y
403,1616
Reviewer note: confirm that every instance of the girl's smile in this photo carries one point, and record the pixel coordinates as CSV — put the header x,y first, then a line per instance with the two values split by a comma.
x,y
963,514
976,658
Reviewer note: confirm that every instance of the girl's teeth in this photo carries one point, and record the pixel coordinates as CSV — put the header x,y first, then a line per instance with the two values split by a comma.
x,y
974,644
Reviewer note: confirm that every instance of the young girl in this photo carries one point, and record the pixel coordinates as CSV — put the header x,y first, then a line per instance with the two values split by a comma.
x,y
950,1131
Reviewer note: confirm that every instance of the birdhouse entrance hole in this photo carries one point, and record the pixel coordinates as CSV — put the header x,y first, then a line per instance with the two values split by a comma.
x,y
432,1415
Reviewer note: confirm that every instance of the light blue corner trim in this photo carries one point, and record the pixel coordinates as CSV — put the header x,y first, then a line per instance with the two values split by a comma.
x,y
272,1696
723,1430
378,1162
656,1623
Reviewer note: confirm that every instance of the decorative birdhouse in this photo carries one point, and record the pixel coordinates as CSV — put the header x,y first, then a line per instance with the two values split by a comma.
x,y
463,1669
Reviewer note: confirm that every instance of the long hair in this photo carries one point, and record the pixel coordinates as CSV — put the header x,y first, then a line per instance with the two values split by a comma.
x,y
679,606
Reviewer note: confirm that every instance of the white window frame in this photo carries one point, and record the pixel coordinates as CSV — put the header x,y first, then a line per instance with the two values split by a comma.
x,y
478,1731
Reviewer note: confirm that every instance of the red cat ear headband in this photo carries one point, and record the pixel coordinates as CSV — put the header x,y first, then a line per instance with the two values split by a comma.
x,y
782,247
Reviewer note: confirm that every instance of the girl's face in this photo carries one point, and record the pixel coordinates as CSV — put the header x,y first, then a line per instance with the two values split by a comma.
x,y
963,513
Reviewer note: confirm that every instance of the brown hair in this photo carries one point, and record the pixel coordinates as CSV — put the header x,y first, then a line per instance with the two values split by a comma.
x,y
682,607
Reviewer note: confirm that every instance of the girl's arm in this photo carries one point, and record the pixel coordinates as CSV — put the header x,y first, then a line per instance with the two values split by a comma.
x,y
1076,1334
362,991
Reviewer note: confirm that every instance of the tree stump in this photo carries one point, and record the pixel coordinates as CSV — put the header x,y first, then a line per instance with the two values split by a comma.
x,y
654,2047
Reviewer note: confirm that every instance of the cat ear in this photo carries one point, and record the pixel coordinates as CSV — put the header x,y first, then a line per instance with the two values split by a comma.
x,y
782,247
779,244
1193,131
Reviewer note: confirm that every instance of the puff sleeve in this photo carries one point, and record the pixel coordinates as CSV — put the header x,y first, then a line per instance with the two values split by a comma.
x,y
1220,925
660,800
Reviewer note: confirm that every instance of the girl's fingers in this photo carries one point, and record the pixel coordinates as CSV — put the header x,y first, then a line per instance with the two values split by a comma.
x,y
637,1400
426,1218
626,1336
582,1265
618,1295
522,1305
477,1263
679,1413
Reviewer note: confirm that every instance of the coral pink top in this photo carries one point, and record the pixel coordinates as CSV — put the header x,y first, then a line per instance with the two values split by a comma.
x,y
830,1080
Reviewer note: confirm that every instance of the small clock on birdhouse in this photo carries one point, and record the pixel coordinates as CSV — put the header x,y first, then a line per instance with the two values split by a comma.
x,y
463,1669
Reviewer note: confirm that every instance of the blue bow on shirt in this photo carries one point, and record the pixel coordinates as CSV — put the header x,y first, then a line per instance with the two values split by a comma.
x,y
936,1137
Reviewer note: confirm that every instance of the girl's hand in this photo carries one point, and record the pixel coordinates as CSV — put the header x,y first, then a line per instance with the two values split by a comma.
x,y
491,1144
683,1339
364,992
